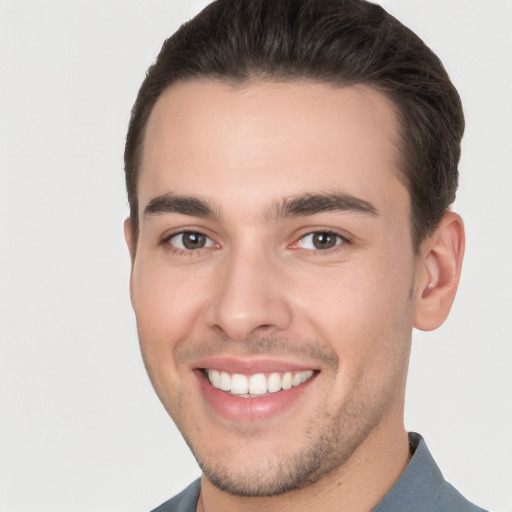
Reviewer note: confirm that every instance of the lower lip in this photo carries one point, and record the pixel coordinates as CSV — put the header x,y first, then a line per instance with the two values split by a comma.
x,y
235,408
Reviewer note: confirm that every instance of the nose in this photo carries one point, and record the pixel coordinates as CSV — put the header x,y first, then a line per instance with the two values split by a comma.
x,y
250,297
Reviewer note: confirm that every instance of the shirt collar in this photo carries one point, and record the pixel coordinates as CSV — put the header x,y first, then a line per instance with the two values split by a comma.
x,y
421,480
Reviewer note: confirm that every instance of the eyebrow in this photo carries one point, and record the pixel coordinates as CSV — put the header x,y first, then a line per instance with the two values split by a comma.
x,y
186,205
307,204
311,204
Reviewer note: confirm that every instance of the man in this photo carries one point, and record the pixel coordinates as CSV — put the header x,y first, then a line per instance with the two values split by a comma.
x,y
290,167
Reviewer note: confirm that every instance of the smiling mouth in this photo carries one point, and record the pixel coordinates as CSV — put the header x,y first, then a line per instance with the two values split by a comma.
x,y
258,384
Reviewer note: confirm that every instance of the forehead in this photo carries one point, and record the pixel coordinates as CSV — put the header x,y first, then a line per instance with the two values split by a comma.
x,y
259,141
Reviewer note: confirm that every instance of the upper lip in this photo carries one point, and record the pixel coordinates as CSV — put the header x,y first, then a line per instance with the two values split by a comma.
x,y
250,366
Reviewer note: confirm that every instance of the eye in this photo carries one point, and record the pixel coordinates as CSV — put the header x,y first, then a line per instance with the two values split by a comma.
x,y
320,241
190,241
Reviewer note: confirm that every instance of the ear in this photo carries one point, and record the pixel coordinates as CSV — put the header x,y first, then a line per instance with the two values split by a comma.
x,y
438,273
129,238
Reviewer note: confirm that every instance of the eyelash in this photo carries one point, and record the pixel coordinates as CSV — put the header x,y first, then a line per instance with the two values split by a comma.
x,y
341,240
183,251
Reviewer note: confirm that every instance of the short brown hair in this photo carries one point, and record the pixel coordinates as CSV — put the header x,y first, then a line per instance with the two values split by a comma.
x,y
340,42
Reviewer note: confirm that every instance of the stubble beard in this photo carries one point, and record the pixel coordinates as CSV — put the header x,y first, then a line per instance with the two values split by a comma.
x,y
332,441
302,469
332,437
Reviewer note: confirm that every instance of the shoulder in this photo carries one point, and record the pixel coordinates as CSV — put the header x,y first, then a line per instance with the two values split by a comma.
x,y
185,501
451,499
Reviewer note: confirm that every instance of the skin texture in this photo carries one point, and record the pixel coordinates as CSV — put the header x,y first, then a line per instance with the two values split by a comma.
x,y
259,288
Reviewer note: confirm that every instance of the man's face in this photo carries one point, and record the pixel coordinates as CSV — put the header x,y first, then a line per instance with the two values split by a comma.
x,y
274,259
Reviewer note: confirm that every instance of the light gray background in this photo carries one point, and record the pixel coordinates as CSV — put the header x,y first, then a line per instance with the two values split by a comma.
x,y
80,427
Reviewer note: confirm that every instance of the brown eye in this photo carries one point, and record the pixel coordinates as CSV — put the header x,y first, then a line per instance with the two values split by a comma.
x,y
320,241
193,240
325,240
190,241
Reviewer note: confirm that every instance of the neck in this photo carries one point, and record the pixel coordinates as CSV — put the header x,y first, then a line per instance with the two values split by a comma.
x,y
357,486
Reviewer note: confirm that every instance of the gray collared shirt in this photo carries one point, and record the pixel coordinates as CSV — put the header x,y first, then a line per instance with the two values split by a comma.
x,y
421,488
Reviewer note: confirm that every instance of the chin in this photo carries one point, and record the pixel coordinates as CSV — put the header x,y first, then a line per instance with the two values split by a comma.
x,y
273,472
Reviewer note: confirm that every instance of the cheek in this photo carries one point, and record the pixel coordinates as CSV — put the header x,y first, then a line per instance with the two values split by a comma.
x,y
166,311
362,310
163,320
165,303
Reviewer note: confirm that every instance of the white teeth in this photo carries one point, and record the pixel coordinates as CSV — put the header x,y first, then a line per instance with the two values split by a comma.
x,y
287,381
274,383
257,384
304,376
214,376
296,379
225,381
239,384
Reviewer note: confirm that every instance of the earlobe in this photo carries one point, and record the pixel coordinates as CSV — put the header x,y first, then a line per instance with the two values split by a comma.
x,y
439,271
